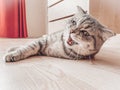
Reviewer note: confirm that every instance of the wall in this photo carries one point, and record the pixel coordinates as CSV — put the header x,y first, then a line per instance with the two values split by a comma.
x,y
65,8
36,11
107,12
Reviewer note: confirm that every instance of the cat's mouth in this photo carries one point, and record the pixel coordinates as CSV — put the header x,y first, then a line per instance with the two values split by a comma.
x,y
71,42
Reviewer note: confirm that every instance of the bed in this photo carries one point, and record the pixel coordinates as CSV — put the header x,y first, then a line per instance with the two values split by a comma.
x,y
48,73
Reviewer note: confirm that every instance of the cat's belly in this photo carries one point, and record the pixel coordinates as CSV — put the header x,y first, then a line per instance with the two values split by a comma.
x,y
55,50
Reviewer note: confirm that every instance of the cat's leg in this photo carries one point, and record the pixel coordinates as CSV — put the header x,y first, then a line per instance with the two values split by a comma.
x,y
12,49
22,52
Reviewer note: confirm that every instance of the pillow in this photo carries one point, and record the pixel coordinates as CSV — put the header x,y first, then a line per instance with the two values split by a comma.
x,y
110,51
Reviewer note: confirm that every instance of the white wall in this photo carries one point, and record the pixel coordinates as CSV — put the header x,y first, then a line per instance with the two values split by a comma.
x,y
67,7
36,11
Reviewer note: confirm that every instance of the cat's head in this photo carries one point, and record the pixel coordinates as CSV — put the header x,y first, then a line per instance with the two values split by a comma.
x,y
86,33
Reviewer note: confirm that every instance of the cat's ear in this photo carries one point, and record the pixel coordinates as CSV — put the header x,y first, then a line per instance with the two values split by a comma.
x,y
81,11
106,33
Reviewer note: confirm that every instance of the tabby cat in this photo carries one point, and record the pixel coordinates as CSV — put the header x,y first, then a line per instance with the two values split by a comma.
x,y
81,39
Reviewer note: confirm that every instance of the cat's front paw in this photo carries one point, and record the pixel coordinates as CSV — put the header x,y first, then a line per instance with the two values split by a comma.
x,y
11,57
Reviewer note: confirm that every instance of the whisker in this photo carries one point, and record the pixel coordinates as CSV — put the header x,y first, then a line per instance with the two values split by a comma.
x,y
78,54
91,60
70,54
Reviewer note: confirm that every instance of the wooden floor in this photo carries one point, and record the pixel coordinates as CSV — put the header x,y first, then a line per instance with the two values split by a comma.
x,y
48,73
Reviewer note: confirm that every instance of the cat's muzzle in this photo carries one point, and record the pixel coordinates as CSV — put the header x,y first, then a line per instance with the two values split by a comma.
x,y
71,42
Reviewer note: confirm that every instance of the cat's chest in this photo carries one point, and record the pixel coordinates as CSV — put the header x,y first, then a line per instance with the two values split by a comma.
x,y
55,49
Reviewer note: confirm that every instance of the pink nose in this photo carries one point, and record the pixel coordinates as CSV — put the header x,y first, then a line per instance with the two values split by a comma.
x,y
70,41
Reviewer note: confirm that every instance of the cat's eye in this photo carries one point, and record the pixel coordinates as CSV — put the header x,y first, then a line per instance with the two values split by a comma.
x,y
87,26
85,33
73,22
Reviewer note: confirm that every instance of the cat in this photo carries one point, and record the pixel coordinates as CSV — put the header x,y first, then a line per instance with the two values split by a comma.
x,y
82,39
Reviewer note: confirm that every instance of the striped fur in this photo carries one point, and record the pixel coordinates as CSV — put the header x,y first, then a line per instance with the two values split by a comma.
x,y
81,39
